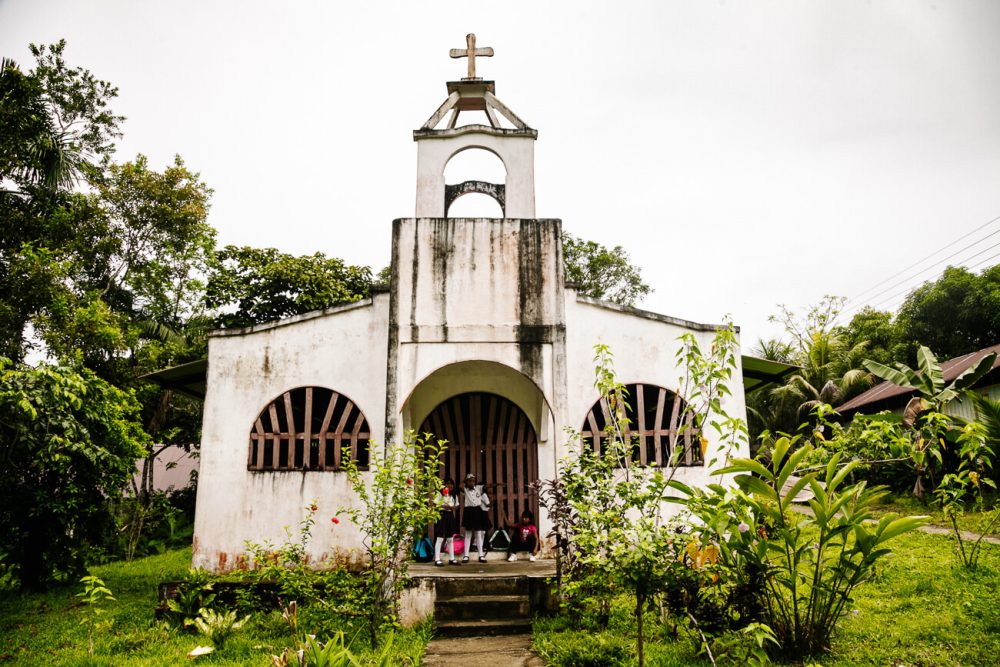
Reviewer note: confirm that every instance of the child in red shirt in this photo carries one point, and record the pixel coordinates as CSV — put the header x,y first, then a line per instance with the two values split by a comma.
x,y
524,537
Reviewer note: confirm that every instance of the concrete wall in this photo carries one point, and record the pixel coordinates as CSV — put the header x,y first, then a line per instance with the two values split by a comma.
x,y
644,346
342,348
516,152
475,289
474,305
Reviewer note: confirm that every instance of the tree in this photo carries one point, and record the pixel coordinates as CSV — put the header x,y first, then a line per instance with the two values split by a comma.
x,y
69,444
394,505
830,367
956,314
922,414
601,272
55,128
880,331
252,285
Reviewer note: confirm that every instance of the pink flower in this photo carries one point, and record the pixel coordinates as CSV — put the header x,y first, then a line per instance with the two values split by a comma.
x,y
335,520
743,527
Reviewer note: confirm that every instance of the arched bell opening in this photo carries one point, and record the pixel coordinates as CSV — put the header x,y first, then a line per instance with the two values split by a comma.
x,y
475,175
474,199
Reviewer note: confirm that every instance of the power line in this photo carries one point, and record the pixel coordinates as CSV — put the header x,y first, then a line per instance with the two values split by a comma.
x,y
984,261
896,296
940,261
921,261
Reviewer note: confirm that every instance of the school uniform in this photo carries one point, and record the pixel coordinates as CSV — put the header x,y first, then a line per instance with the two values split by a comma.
x,y
474,506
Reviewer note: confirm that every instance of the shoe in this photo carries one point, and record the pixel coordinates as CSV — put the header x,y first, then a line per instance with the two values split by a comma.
x,y
532,558
453,562
482,559
465,559
511,558
439,563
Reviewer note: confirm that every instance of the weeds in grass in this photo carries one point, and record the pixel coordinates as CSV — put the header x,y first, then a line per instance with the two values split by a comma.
x,y
93,595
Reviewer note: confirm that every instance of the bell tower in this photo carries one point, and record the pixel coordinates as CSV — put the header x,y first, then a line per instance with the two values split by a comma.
x,y
514,145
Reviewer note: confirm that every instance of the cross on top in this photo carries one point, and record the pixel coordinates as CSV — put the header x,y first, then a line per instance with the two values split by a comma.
x,y
470,52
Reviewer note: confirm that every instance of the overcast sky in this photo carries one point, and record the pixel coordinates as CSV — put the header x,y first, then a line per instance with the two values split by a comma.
x,y
745,153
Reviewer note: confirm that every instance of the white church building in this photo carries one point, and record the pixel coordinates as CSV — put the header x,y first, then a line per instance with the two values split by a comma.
x,y
477,339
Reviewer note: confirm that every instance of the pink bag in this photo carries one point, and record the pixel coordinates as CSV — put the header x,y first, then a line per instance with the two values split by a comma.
x,y
459,544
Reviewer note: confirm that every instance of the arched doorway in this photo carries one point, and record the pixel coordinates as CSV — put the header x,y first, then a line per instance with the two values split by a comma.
x,y
491,437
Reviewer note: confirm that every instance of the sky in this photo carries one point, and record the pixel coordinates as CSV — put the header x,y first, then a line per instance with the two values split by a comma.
x,y
745,153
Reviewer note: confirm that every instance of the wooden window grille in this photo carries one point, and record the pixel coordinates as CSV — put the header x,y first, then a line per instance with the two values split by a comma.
x,y
309,428
655,417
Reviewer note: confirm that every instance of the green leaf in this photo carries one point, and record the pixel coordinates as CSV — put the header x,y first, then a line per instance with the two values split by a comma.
x,y
889,528
971,375
928,365
898,377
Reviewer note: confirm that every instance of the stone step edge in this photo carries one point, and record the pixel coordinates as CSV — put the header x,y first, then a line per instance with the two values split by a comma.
x,y
500,623
484,599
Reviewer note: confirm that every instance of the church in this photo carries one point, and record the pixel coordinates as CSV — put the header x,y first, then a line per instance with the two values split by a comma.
x,y
477,339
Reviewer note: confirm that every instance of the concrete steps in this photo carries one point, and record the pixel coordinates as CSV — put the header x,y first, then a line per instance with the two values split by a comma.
x,y
474,607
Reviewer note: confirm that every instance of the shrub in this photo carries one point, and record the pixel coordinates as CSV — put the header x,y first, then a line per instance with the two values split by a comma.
x,y
218,626
584,650
806,567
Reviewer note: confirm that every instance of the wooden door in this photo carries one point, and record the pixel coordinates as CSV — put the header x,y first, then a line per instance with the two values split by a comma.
x,y
492,438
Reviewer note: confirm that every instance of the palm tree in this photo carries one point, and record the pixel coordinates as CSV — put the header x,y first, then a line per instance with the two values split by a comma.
x,y
831,368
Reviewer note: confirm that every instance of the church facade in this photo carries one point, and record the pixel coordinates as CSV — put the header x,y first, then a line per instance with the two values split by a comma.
x,y
477,340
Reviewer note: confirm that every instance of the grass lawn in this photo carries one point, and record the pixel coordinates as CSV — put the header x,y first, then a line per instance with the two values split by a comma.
x,y
921,610
44,629
908,505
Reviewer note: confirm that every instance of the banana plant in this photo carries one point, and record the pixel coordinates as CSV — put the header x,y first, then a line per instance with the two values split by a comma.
x,y
928,381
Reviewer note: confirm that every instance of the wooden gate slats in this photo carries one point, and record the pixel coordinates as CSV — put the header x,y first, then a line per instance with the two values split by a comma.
x,y
661,400
491,437
307,431
298,407
641,417
662,435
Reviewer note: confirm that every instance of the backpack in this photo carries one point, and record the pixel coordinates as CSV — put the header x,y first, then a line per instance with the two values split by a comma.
x,y
500,541
423,550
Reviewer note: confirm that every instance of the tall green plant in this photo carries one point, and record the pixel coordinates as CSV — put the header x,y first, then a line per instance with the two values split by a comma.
x,y
598,490
805,566
393,505
94,594
966,488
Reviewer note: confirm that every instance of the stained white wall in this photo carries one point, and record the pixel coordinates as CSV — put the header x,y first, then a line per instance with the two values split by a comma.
x,y
345,350
645,349
516,152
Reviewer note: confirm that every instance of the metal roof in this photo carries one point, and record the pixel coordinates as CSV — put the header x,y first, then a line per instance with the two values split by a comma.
x,y
187,378
887,390
758,372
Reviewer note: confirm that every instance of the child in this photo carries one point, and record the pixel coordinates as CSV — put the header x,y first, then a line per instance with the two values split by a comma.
x,y
446,526
474,518
524,537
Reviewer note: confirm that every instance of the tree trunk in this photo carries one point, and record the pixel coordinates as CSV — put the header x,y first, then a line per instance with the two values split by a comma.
x,y
640,604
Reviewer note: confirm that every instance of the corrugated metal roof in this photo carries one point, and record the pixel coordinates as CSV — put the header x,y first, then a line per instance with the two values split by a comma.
x,y
886,390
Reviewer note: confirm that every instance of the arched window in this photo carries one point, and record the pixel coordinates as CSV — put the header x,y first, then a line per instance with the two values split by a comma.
x,y
654,415
309,428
